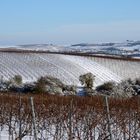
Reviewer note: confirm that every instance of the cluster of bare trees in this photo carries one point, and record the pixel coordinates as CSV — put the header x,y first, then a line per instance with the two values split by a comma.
x,y
71,117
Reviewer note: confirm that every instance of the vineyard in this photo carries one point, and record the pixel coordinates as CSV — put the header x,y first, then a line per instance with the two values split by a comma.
x,y
49,117
65,67
67,118
125,69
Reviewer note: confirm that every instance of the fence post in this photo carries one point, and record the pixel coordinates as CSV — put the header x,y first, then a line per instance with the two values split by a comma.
x,y
20,116
33,115
70,120
108,117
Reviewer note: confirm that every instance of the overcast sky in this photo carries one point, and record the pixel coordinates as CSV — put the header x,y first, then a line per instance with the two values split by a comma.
x,y
68,21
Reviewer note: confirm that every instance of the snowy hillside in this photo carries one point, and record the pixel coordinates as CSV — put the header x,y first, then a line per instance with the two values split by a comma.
x,y
125,69
129,48
67,68
126,48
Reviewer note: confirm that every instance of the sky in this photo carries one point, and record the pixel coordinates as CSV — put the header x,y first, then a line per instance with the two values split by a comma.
x,y
68,21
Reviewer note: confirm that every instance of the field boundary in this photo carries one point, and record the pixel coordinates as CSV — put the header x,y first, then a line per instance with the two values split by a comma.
x,y
115,57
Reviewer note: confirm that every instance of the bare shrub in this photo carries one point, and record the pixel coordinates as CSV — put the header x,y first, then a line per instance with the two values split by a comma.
x,y
87,80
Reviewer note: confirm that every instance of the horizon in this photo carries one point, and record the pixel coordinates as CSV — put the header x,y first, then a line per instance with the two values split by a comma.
x,y
15,45
68,22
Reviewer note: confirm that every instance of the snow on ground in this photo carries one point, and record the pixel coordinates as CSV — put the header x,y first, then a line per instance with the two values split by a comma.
x,y
125,69
65,67
127,48
137,47
6,137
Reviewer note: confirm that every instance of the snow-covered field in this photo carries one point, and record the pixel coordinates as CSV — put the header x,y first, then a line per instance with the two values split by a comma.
x,y
65,67
124,69
129,48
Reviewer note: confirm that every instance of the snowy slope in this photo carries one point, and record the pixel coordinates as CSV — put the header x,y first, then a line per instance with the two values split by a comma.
x,y
66,68
125,69
128,48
